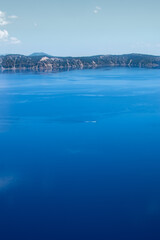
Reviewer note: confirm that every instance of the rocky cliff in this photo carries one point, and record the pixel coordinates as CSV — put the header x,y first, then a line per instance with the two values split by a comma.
x,y
38,62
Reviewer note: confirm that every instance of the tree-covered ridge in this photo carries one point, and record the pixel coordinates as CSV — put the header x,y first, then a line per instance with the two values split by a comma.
x,y
47,62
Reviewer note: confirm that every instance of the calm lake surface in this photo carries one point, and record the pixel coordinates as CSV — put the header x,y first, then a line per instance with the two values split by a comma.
x,y
80,155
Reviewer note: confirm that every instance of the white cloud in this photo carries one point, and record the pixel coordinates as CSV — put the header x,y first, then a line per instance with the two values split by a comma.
x,y
13,17
97,9
14,40
2,14
3,19
35,25
4,35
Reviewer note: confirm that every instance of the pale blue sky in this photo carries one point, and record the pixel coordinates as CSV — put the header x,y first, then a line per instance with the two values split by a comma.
x,y
76,28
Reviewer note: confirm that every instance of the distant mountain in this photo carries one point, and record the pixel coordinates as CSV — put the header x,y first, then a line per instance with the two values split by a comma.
x,y
42,61
39,54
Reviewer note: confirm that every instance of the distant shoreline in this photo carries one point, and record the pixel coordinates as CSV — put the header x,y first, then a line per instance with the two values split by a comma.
x,y
45,62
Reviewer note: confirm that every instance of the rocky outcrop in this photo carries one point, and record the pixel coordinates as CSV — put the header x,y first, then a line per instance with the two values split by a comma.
x,y
50,63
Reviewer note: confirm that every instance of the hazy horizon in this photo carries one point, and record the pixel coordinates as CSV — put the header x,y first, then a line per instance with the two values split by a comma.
x,y
46,53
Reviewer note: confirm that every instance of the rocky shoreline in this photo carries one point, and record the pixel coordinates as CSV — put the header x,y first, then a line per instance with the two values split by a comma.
x,y
50,63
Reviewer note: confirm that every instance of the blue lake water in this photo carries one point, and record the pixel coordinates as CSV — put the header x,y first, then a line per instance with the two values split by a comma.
x,y
80,155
